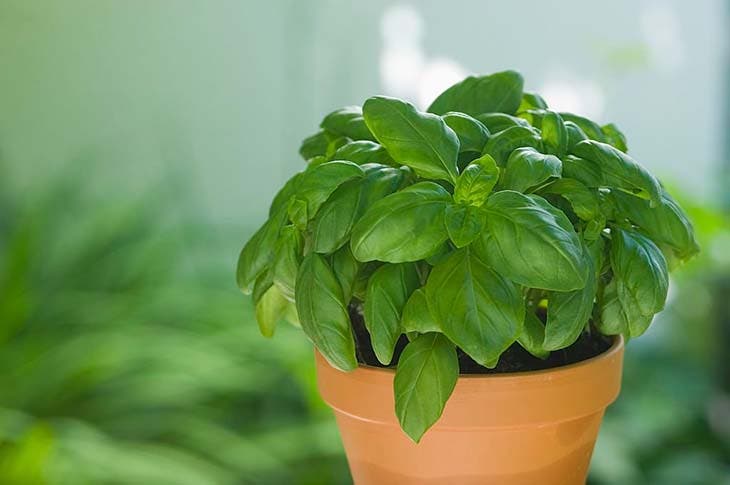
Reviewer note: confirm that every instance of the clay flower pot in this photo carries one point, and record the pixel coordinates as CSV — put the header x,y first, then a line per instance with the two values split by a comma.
x,y
504,429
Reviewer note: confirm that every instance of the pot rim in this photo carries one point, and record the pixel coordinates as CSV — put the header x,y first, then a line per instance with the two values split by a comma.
x,y
485,400
615,348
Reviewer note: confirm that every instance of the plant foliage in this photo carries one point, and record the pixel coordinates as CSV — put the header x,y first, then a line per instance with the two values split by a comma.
x,y
456,226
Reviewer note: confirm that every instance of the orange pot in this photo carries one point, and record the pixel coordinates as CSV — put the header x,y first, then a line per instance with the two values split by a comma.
x,y
505,429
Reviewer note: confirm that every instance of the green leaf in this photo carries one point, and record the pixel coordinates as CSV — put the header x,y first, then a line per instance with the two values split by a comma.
x,y
264,281
323,312
388,290
587,173
476,182
314,145
416,316
362,152
360,285
616,317
346,269
501,145
527,168
496,122
348,122
531,101
256,254
404,226
569,312
421,141
641,276
464,223
666,223
270,309
331,227
472,134
425,378
590,128
532,336
318,183
615,137
499,92
297,212
282,198
321,144
620,170
554,133
533,243
575,135
333,224
584,201
287,257
478,309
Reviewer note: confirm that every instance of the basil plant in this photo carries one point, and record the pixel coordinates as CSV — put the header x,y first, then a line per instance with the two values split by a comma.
x,y
455,227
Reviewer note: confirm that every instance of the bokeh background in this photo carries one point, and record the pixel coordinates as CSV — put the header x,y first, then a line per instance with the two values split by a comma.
x,y
142,140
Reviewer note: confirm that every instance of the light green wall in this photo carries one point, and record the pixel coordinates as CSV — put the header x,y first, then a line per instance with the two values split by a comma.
x,y
225,90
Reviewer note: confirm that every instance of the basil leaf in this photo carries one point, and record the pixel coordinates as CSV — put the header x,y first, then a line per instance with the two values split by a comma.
x,y
421,141
496,122
314,145
360,285
501,145
614,136
464,223
532,336
388,290
641,276
569,312
554,134
527,168
620,170
591,129
346,269
282,198
499,92
616,316
666,223
575,135
416,316
531,101
348,122
472,134
549,254
264,281
425,378
316,186
323,143
270,309
404,226
331,227
476,182
287,256
362,152
256,254
323,312
477,308
587,173
584,201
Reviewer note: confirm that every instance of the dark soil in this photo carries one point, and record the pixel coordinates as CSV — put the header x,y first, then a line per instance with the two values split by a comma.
x,y
514,359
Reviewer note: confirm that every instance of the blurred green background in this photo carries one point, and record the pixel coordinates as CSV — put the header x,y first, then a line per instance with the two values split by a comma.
x,y
140,145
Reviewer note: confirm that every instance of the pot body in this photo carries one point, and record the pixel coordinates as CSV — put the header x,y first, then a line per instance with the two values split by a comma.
x,y
503,429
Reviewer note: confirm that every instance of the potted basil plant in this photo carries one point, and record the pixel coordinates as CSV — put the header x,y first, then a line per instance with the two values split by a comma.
x,y
468,276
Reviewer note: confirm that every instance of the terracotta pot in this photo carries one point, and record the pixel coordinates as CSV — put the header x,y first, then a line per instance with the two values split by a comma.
x,y
506,429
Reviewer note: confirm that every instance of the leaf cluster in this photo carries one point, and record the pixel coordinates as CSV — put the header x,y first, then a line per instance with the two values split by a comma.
x,y
459,227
